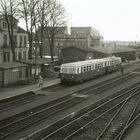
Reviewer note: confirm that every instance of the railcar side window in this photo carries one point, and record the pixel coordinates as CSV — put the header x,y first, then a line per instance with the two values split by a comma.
x,y
111,62
107,63
89,67
96,66
81,70
78,70
85,69
101,65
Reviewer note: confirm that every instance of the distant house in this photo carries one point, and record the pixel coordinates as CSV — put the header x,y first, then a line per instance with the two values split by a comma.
x,y
126,53
90,35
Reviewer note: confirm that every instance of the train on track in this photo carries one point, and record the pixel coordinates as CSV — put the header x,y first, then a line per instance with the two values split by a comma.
x,y
78,72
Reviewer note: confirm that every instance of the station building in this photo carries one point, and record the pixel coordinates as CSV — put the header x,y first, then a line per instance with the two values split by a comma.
x,y
73,54
12,72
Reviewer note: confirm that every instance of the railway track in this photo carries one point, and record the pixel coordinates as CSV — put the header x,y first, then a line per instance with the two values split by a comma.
x,y
19,100
20,121
68,127
131,123
121,119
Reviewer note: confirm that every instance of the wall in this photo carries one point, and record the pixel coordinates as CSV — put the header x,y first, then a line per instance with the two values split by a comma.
x,y
12,76
1,77
72,55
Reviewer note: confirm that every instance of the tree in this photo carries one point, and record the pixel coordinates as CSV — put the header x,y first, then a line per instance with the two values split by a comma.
x,y
41,14
27,12
9,10
54,21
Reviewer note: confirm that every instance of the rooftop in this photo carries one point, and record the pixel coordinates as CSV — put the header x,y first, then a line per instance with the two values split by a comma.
x,y
13,64
109,50
37,61
21,30
85,49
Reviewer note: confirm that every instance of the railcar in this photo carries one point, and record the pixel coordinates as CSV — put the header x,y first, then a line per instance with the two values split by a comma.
x,y
77,72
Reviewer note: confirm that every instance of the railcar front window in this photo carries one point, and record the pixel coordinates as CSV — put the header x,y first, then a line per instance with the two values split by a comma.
x,y
72,70
64,70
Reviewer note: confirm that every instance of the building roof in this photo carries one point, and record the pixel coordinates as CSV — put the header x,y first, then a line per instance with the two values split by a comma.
x,y
33,61
85,49
10,65
109,50
21,30
9,16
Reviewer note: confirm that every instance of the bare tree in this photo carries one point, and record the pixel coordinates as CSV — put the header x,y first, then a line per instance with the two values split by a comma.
x,y
28,14
41,14
9,12
55,20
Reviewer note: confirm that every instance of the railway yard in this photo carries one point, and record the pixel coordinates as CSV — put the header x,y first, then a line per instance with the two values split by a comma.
x,y
106,108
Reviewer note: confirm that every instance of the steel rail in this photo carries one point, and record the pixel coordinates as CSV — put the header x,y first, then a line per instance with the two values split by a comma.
x,y
109,125
79,118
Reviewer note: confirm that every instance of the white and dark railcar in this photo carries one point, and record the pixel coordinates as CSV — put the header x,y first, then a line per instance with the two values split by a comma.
x,y
78,72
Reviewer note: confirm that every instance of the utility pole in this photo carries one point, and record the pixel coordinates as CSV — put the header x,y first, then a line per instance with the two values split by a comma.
x,y
35,60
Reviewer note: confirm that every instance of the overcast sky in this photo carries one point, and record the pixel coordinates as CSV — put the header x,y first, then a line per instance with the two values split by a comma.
x,y
115,19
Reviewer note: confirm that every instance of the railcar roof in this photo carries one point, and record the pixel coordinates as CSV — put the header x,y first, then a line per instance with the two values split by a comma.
x,y
88,62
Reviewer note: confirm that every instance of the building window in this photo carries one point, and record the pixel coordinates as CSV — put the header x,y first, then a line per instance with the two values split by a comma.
x,y
4,25
15,39
16,56
5,39
19,56
25,40
20,40
24,55
6,57
26,73
20,74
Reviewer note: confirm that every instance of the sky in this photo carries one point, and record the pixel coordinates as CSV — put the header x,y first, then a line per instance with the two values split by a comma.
x,y
114,19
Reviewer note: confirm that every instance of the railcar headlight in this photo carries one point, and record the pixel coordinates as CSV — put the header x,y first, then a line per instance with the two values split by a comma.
x,y
72,76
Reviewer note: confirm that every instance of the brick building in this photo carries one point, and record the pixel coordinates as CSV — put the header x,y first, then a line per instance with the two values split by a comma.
x,y
79,36
11,72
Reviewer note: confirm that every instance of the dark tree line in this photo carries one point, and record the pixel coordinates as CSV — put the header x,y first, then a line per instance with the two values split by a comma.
x,y
36,14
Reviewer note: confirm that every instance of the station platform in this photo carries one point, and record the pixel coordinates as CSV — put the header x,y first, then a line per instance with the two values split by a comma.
x,y
7,92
